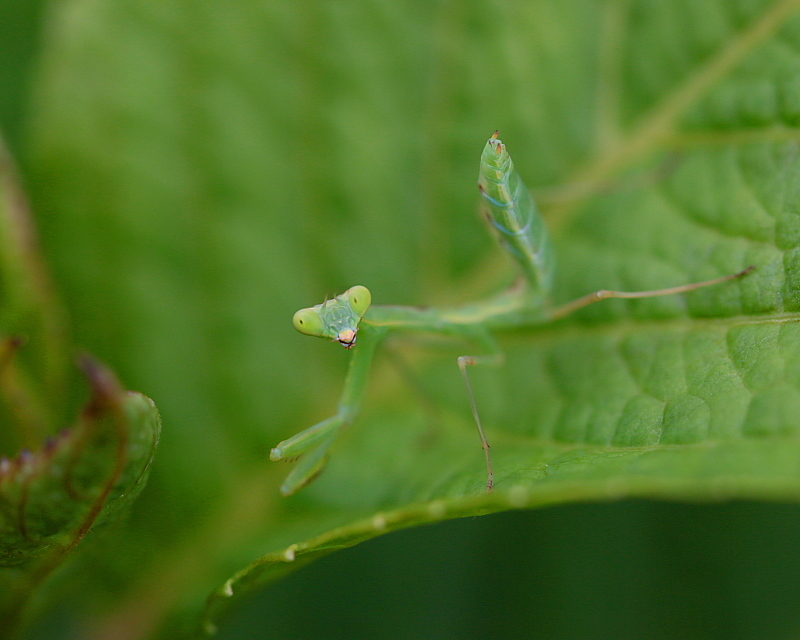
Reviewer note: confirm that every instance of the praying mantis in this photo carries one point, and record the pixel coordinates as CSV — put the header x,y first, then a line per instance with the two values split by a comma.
x,y
350,320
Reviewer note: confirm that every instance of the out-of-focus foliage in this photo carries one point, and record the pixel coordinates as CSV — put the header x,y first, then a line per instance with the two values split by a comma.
x,y
98,465
200,170
62,481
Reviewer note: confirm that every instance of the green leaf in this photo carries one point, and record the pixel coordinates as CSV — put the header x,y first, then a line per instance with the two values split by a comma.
x,y
50,497
200,191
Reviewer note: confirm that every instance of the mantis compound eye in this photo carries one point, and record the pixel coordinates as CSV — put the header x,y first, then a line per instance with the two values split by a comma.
x,y
307,321
360,299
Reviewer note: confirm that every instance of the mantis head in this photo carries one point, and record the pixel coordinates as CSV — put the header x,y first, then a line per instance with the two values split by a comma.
x,y
335,319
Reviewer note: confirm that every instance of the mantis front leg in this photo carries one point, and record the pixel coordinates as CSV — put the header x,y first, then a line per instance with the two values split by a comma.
x,y
316,441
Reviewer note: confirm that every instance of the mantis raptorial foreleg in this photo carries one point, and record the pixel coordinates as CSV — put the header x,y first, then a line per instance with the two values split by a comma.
x,y
317,440
348,319
312,464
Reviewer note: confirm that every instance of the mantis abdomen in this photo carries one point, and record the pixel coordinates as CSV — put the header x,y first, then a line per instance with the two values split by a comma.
x,y
510,210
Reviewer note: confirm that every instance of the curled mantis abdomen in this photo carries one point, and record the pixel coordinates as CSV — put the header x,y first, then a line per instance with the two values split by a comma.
x,y
510,210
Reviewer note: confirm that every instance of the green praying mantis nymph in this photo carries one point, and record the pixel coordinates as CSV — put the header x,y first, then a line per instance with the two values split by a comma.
x,y
350,320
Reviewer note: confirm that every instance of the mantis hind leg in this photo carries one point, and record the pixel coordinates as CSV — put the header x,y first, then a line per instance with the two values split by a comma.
x,y
493,359
604,294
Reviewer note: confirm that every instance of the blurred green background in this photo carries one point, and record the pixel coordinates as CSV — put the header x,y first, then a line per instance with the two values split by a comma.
x,y
199,170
